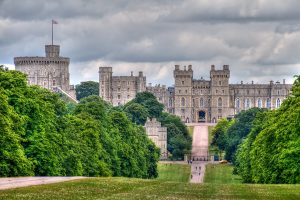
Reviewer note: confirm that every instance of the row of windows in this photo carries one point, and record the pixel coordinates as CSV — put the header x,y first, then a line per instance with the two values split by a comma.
x,y
278,92
201,102
247,103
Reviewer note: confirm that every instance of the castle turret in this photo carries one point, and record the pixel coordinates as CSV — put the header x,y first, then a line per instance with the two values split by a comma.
x,y
220,102
141,82
105,83
183,92
52,51
50,72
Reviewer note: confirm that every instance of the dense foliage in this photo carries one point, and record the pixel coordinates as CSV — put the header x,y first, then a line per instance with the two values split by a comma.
x,y
39,136
270,152
144,106
85,89
227,135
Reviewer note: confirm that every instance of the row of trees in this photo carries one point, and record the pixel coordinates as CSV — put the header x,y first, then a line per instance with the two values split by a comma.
x,y
39,135
264,145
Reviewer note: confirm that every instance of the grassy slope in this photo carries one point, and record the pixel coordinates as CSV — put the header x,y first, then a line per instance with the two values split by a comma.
x,y
174,172
162,188
220,174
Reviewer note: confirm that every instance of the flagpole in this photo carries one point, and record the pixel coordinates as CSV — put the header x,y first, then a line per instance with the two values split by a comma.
x,y
52,31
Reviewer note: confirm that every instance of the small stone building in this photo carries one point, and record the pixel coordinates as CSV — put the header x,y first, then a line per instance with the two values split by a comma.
x,y
158,135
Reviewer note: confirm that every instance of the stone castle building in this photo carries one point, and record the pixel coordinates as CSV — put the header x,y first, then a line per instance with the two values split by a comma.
x,y
50,72
196,100
118,90
158,135
209,100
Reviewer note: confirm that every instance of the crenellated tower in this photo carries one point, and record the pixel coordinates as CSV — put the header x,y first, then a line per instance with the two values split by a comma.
x,y
220,96
105,83
183,92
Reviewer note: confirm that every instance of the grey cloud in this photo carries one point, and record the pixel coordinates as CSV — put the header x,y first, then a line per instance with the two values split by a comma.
x,y
234,11
147,35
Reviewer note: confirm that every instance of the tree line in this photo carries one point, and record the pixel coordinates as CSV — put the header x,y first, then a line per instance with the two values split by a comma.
x,y
143,106
41,135
264,145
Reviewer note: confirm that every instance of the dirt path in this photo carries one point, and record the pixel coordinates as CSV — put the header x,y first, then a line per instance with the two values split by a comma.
x,y
8,183
199,153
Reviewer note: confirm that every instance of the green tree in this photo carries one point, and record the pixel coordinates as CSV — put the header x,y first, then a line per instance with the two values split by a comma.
x,y
13,161
275,152
243,160
149,101
239,129
220,137
136,112
85,89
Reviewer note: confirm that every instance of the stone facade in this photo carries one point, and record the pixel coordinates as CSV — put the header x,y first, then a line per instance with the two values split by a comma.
x,y
158,135
50,72
195,100
164,95
119,90
209,100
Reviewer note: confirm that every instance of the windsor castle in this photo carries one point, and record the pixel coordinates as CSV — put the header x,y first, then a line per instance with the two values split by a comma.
x,y
195,100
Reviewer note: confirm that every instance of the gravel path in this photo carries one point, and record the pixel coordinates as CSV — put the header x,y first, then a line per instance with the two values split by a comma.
x,y
199,153
8,183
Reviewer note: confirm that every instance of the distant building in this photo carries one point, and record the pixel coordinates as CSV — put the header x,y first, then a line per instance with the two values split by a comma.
x,y
210,100
196,100
118,90
50,72
158,135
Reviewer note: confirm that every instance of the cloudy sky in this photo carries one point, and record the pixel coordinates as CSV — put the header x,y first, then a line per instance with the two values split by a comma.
x,y
259,39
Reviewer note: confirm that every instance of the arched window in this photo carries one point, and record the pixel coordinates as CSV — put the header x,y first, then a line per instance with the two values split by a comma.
x,y
182,101
201,102
220,102
268,103
170,102
259,103
278,103
237,103
248,103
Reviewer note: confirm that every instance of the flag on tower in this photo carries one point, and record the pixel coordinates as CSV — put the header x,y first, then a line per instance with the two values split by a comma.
x,y
54,22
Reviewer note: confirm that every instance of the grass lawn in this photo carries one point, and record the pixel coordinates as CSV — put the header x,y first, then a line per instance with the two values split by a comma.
x,y
161,188
174,172
190,130
220,174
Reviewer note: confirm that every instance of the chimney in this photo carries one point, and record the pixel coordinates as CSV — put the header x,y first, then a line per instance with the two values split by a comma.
x,y
283,81
242,82
140,74
131,73
212,67
177,67
190,67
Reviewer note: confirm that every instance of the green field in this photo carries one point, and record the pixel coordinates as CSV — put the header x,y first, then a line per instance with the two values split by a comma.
x,y
220,174
174,172
162,188
190,130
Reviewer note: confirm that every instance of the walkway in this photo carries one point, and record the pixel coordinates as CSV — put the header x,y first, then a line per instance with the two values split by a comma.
x,y
8,183
199,153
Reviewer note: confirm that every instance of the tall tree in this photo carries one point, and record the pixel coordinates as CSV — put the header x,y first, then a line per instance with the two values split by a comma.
x,y
85,89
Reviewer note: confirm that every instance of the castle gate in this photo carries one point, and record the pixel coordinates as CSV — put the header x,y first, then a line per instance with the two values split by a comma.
x,y
201,116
